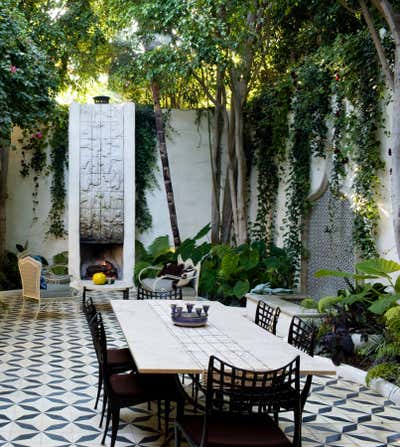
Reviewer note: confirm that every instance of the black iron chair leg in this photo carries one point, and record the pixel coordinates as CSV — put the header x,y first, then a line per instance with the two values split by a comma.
x,y
166,416
306,391
159,414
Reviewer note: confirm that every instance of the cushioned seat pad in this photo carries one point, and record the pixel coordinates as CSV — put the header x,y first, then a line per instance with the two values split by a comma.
x,y
235,431
118,357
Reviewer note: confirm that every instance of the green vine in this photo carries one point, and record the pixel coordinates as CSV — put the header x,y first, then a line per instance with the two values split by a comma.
x,y
310,107
146,162
356,139
34,160
58,163
267,132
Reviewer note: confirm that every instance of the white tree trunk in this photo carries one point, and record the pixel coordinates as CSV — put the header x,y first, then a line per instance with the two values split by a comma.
x,y
395,143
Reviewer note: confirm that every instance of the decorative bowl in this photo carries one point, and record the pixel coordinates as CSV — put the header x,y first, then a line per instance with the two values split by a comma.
x,y
189,318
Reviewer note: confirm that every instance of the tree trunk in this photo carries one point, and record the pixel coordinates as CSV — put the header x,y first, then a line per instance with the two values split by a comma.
x,y
218,127
395,141
165,163
241,188
226,226
4,154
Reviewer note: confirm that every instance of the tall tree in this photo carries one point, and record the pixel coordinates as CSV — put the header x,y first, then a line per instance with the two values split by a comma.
x,y
387,13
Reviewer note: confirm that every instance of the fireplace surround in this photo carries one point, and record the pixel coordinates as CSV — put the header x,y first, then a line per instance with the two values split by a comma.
x,y
101,202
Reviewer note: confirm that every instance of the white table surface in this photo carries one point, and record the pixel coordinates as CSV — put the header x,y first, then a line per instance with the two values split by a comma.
x,y
158,346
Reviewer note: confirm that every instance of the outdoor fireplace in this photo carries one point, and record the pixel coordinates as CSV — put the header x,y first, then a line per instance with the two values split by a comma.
x,y
101,192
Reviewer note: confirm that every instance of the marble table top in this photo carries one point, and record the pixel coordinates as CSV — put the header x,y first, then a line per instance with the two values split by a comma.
x,y
158,346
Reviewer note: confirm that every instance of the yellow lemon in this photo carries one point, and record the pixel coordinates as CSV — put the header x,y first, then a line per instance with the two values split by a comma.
x,y
99,279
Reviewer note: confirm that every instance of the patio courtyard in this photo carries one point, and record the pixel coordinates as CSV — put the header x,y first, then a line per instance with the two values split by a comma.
x,y
48,377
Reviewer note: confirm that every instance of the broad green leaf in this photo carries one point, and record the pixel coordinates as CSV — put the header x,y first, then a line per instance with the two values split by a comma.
x,y
241,288
327,302
338,274
397,285
383,304
249,259
355,297
140,252
203,232
379,267
159,246
229,265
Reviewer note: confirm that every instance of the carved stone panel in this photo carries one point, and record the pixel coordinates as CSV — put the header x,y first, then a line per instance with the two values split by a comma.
x,y
101,174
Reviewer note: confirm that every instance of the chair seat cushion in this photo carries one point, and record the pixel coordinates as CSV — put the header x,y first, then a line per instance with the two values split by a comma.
x,y
161,284
235,431
153,386
120,357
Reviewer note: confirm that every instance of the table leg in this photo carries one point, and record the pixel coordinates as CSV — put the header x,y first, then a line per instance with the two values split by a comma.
x,y
125,294
84,296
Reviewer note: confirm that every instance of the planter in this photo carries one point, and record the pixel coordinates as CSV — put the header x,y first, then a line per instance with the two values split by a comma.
x,y
380,386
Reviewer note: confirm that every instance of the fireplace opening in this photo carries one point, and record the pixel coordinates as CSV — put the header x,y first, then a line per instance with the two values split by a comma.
x,y
105,258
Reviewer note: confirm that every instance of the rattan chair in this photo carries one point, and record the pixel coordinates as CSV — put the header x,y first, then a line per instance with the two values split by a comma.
x,y
237,401
267,317
302,336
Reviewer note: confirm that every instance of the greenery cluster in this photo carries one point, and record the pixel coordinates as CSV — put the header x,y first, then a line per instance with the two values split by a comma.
x,y
339,82
227,273
369,309
145,163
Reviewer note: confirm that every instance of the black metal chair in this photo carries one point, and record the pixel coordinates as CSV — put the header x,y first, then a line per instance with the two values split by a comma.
x,y
126,390
145,294
302,336
120,359
267,317
236,404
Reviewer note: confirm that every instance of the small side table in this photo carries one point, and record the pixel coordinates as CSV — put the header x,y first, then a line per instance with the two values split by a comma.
x,y
118,286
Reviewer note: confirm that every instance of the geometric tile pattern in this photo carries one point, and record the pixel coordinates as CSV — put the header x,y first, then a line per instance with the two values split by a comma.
x,y
48,378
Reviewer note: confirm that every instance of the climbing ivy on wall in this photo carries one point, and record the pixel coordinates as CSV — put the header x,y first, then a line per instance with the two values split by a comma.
x,y
55,136
345,74
267,132
310,107
146,160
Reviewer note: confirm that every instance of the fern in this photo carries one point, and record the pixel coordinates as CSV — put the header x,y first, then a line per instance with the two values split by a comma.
x,y
389,350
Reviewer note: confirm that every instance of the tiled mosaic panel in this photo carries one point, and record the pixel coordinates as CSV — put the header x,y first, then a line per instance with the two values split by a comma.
x,y
48,376
329,244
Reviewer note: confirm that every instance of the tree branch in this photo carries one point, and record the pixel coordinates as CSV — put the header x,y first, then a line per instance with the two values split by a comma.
x,y
378,44
205,88
390,16
347,7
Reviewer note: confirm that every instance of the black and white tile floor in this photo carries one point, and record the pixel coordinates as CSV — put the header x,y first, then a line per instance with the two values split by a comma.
x,y
48,376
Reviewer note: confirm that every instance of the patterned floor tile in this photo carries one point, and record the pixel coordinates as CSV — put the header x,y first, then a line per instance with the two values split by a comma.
x,y
48,379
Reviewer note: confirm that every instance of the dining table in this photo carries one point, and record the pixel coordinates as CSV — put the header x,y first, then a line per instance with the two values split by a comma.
x,y
159,346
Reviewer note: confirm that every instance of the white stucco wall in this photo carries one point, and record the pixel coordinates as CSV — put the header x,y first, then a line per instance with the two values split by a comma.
x,y
189,157
188,151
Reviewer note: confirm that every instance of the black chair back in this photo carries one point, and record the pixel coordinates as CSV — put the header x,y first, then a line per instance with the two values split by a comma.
x,y
100,342
144,294
238,391
267,317
302,335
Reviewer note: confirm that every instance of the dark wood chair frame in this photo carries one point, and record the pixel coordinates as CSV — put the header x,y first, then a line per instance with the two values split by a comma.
x,y
302,335
89,309
267,316
237,391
